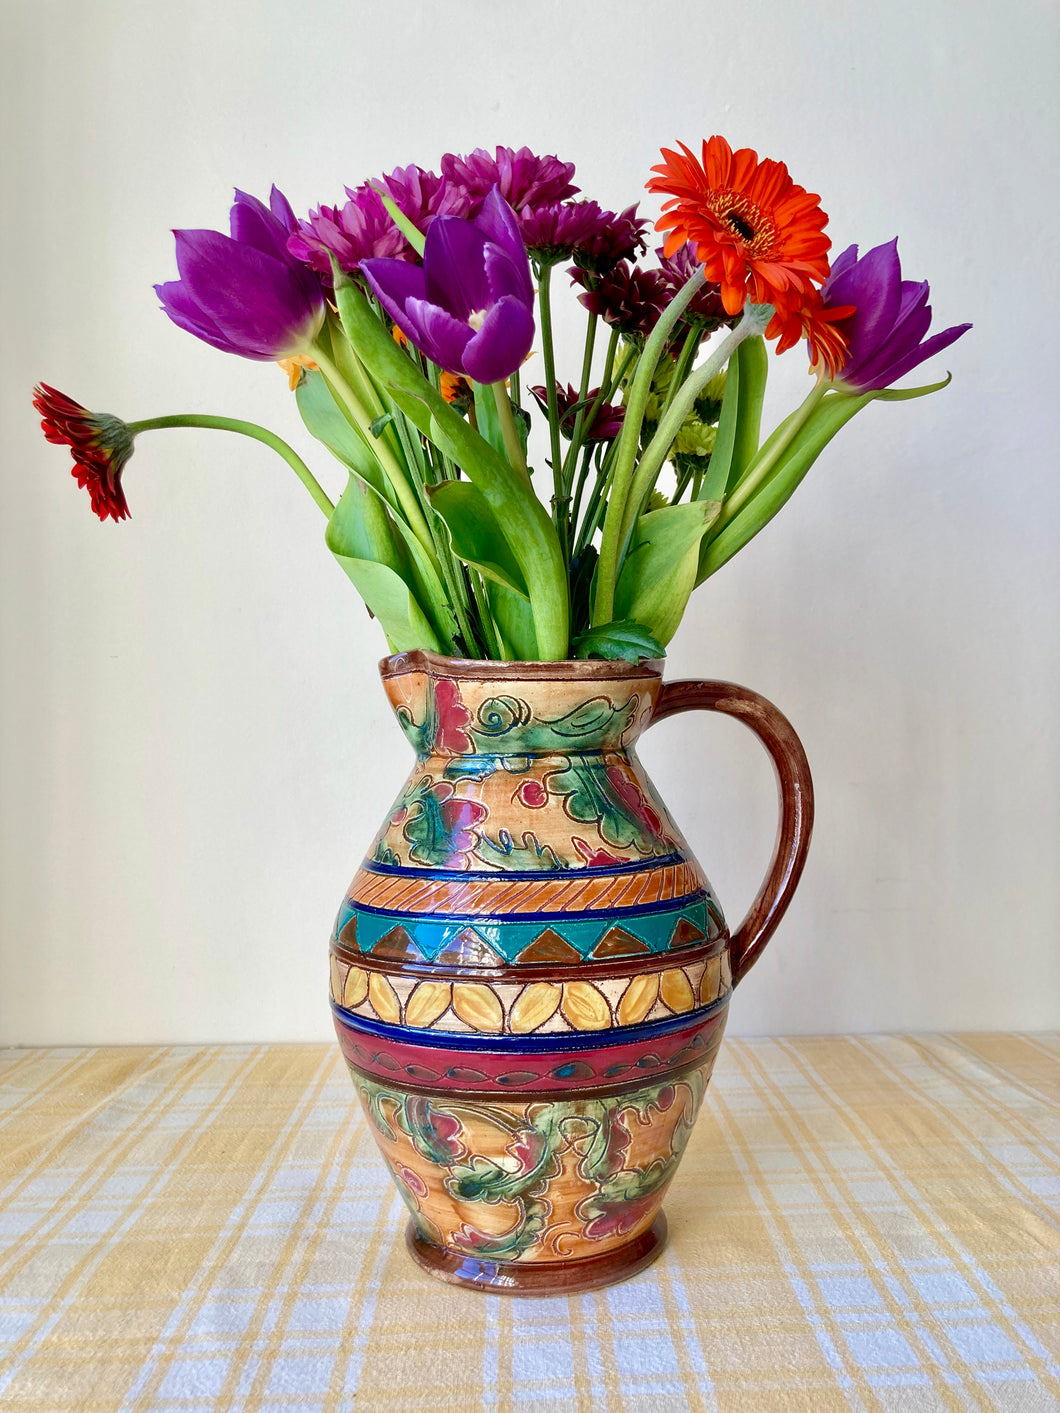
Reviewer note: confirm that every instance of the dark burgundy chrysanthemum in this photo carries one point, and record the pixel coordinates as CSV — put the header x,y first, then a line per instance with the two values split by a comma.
x,y
606,425
628,298
101,445
524,178
616,237
705,306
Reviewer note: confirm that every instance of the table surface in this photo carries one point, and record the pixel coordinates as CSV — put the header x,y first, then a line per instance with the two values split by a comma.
x,y
858,1223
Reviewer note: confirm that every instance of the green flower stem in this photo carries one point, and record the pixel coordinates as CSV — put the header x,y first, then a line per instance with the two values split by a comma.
x,y
512,445
755,318
597,499
548,352
578,430
684,363
392,468
760,468
245,429
575,510
627,444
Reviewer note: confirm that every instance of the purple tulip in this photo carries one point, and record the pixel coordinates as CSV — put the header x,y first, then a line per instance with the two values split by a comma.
x,y
245,293
891,316
469,307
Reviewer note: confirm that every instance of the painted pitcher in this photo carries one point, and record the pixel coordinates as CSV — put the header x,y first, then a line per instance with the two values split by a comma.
x,y
530,973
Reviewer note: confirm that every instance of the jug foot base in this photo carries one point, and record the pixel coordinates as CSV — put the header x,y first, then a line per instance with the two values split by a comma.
x,y
539,1277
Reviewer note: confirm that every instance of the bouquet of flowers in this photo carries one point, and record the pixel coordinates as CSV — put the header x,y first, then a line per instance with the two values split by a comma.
x,y
404,317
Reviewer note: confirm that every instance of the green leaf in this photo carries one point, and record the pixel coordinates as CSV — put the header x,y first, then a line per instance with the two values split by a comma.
x,y
832,413
903,394
327,422
741,419
363,537
476,534
527,527
380,423
626,640
514,620
391,601
659,572
487,417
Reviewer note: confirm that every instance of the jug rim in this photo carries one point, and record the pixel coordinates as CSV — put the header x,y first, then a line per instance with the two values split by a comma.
x,y
492,669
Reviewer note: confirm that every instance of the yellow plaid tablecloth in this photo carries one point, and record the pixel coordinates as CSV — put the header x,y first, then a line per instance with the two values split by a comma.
x,y
858,1223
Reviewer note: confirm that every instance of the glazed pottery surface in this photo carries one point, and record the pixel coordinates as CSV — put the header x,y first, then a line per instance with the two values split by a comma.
x,y
530,973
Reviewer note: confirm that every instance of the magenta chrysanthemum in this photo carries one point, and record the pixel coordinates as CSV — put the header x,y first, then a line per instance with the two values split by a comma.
x,y
524,179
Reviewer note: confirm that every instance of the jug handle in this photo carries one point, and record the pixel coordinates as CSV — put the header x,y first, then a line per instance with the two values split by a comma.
x,y
796,802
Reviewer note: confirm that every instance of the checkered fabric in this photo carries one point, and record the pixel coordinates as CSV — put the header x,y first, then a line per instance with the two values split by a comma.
x,y
858,1223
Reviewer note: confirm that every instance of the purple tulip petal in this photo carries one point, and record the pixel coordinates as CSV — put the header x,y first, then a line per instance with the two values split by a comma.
x,y
876,289
394,282
898,342
252,223
502,342
281,209
185,313
840,265
441,336
891,317
924,351
503,277
246,293
497,223
253,298
454,262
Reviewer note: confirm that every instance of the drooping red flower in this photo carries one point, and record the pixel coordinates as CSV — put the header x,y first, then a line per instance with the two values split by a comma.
x,y
757,234
101,445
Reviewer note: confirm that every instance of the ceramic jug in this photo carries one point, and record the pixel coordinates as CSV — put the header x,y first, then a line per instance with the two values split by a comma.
x,y
530,973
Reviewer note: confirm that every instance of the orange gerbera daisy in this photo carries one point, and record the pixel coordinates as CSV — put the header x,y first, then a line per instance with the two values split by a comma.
x,y
812,321
758,235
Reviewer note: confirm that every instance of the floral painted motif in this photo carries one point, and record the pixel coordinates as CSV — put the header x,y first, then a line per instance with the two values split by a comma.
x,y
532,1179
453,716
439,827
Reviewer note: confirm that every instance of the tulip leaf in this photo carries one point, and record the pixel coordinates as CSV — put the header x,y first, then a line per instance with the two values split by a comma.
x,y
659,571
530,532
514,621
326,421
487,417
832,413
740,422
903,394
626,640
475,533
390,600
361,532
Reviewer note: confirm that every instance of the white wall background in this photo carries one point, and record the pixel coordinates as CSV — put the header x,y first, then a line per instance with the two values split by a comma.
x,y
195,746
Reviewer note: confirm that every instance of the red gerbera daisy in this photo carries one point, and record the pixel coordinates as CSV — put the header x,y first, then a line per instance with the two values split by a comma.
x,y
101,445
758,235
